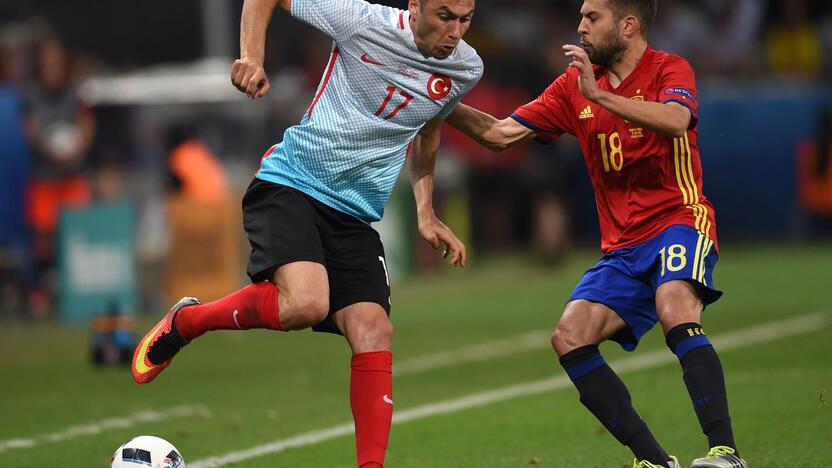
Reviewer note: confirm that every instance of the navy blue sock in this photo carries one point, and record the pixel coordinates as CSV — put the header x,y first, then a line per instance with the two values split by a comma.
x,y
606,396
704,380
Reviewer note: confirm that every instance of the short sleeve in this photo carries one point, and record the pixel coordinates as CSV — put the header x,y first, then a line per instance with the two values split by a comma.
x,y
549,114
338,19
477,74
678,84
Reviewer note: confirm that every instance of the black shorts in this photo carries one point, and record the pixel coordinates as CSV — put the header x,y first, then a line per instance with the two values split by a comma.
x,y
285,225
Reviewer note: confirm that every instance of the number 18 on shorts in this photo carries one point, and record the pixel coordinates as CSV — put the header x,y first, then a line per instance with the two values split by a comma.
x,y
626,279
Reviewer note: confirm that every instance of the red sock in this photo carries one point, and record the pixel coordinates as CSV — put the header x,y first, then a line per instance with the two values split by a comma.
x,y
254,306
371,398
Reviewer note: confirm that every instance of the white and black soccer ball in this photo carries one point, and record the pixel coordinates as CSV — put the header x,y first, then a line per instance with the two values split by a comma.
x,y
147,452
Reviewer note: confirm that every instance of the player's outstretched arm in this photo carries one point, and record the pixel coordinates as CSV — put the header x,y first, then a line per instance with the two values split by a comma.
x,y
422,162
669,119
486,130
247,73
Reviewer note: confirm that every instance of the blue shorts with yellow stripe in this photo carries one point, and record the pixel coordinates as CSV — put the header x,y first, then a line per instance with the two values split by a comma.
x,y
626,279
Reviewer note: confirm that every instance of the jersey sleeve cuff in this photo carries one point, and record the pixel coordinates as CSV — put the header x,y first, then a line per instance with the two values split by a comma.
x,y
694,119
542,136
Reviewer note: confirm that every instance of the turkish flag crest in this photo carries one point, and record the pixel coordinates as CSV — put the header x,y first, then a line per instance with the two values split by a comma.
x,y
439,86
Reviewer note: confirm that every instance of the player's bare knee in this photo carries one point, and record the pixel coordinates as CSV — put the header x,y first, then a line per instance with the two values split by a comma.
x,y
303,311
370,332
565,338
578,326
317,308
378,327
554,340
382,331
678,307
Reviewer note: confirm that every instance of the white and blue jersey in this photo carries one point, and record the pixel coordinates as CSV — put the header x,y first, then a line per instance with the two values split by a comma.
x,y
376,93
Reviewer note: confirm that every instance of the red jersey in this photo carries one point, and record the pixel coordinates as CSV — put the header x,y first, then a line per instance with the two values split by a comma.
x,y
644,182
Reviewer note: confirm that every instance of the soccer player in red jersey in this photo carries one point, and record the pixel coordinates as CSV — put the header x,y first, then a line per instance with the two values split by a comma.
x,y
634,111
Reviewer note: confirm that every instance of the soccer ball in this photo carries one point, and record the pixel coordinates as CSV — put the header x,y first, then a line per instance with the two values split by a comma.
x,y
147,451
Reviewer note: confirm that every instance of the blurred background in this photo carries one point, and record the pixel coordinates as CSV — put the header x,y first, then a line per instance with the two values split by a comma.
x,y
124,149
124,153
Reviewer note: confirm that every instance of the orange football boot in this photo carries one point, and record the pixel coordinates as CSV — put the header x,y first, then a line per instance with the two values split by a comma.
x,y
159,346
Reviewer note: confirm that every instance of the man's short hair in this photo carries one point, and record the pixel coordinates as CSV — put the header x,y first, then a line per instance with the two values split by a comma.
x,y
644,10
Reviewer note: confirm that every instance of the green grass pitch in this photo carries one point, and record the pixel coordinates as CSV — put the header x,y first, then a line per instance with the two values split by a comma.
x,y
243,390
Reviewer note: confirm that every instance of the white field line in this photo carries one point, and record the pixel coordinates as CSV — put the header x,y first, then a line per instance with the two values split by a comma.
x,y
475,353
726,342
103,425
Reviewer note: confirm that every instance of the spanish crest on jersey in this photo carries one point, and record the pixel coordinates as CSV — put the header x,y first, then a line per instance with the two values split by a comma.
x,y
644,182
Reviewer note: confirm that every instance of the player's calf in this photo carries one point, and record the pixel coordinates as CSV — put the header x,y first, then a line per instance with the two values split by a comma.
x,y
369,332
705,382
605,395
371,400
254,306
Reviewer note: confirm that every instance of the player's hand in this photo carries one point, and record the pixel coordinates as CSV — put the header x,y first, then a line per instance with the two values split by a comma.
x,y
586,77
248,76
437,234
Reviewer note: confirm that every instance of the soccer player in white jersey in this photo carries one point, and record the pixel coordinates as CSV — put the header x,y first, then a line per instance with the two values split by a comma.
x,y
392,78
